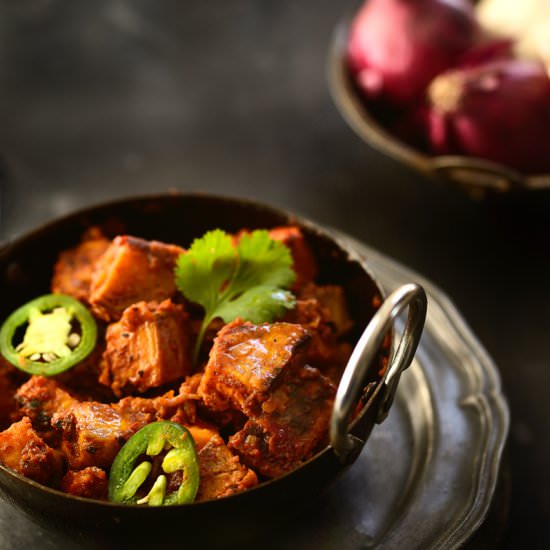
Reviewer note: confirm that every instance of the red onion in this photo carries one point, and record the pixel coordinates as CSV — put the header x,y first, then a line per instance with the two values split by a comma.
x,y
396,47
499,111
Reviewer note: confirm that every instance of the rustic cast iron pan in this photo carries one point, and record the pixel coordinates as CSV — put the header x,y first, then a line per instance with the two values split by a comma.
x,y
25,271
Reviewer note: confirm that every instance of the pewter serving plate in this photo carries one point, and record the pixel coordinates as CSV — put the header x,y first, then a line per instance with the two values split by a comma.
x,y
427,475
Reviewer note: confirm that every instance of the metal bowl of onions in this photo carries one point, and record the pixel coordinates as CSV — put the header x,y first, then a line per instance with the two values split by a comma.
x,y
469,113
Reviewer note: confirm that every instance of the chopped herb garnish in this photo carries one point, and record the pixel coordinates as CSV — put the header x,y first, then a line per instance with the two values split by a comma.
x,y
246,280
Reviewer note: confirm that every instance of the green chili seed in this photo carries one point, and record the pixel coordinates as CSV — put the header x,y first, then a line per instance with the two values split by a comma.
x,y
73,340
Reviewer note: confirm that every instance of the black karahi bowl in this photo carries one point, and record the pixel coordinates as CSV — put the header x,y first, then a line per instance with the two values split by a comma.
x,y
26,265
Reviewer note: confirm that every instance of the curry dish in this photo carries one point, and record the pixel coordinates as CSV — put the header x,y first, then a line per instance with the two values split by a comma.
x,y
256,398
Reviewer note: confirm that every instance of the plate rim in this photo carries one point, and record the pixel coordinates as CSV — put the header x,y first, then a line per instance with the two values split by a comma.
x,y
484,393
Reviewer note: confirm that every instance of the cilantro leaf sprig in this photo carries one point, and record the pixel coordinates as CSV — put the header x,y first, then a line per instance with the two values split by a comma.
x,y
246,280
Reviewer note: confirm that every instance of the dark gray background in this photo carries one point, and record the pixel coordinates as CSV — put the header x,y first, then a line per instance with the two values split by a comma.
x,y
110,98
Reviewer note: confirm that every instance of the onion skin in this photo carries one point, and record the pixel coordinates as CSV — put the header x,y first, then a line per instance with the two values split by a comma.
x,y
396,47
499,111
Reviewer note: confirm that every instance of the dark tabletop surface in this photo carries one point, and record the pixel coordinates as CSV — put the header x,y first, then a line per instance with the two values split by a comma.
x,y
110,98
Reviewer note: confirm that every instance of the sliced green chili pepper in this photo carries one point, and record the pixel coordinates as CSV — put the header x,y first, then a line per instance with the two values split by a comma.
x,y
130,484
60,332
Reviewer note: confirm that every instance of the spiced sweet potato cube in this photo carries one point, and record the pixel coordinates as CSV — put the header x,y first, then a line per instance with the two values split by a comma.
x,y
39,399
221,472
26,453
91,482
168,406
304,263
10,378
309,313
92,433
149,347
130,271
326,352
247,361
291,426
74,268
332,301
7,402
